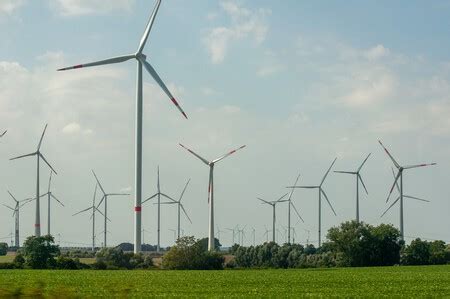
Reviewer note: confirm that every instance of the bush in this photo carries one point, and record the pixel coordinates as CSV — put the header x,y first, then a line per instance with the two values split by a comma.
x,y
115,258
65,263
189,254
425,253
19,261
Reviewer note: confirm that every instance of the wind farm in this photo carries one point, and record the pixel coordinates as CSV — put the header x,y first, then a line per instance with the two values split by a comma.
x,y
307,94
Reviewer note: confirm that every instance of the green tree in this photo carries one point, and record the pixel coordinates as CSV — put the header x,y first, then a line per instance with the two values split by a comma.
x,y
40,252
3,248
204,244
439,254
416,253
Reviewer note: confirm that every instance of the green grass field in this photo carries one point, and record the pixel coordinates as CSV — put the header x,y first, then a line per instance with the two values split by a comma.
x,y
429,281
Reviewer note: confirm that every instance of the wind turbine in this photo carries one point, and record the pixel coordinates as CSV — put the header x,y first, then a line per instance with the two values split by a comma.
x,y
266,233
219,231
180,207
398,198
93,209
16,209
242,235
289,210
141,61
50,195
158,194
273,204
232,230
39,156
105,199
397,177
211,190
321,191
254,236
358,179
3,134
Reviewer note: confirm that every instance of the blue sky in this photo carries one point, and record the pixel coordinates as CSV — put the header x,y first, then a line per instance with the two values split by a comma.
x,y
298,82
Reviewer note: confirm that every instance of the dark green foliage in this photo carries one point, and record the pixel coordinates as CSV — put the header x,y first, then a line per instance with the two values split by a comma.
x,y
65,263
426,253
40,252
361,244
3,248
189,254
79,254
115,258
19,261
204,244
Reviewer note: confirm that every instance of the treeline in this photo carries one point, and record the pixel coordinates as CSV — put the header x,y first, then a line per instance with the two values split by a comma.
x,y
351,244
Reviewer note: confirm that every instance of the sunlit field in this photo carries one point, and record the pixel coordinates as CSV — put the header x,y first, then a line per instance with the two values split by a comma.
x,y
384,281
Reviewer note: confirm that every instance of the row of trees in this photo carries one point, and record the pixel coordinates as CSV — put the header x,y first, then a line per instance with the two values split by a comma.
x,y
351,244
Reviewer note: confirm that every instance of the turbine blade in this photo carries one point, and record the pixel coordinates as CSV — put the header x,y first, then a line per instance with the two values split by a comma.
x,y
365,160
346,172
100,202
182,193
304,187
328,171
393,185
210,183
151,197
3,134
328,201
185,213
419,165
100,212
296,211
362,182
42,137
396,184
98,182
389,154
197,155
228,154
100,62
9,207
167,203
264,201
168,197
46,162
148,27
390,207
10,194
280,199
118,194
54,197
161,84
82,211
50,181
23,156
95,194
295,184
416,198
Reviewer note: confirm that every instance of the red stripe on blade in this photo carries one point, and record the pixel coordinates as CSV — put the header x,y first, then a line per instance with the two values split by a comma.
x,y
78,66
174,102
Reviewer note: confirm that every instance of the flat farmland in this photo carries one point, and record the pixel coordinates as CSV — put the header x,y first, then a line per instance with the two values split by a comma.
x,y
426,281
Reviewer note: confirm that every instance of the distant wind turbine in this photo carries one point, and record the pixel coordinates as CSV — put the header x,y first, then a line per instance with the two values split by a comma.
x,y
289,210
321,192
105,199
180,207
358,179
397,177
141,61
93,209
50,195
159,194
16,209
211,190
39,156
273,204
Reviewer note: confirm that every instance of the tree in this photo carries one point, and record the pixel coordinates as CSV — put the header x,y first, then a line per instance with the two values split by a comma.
x,y
189,254
417,253
439,254
3,248
204,244
40,252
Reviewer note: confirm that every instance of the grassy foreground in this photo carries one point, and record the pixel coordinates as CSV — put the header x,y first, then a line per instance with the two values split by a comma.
x,y
426,281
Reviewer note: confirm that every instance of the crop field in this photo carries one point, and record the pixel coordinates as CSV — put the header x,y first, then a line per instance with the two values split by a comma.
x,y
364,282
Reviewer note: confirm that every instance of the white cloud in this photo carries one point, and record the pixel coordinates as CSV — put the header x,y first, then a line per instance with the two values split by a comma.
x,y
379,51
90,7
244,24
72,128
8,7
269,70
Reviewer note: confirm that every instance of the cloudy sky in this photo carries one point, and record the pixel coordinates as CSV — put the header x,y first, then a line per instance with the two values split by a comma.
x,y
298,83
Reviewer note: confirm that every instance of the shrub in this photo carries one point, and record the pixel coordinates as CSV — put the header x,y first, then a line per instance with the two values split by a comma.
x,y
39,252
3,248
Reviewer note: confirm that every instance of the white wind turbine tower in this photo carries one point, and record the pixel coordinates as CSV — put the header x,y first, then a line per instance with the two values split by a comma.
x,y
180,207
39,156
289,210
93,209
321,192
358,179
211,190
397,177
105,199
254,236
50,195
141,61
16,210
158,194
273,204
